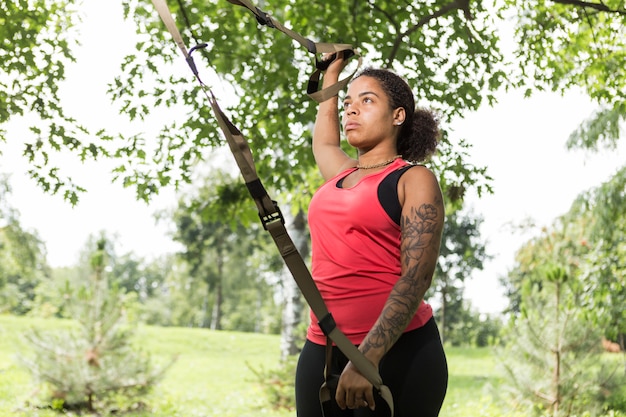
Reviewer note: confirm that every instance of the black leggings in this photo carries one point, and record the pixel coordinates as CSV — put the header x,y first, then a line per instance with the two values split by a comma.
x,y
415,370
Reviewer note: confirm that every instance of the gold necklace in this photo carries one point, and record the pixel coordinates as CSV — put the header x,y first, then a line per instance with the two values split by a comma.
x,y
380,164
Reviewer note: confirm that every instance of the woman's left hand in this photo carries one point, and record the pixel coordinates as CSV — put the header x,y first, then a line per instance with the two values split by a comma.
x,y
354,390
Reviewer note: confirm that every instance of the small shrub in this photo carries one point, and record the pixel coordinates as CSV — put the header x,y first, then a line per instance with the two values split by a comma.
x,y
278,384
92,366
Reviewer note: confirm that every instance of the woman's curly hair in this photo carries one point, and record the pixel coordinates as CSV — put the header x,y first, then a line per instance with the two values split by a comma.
x,y
419,134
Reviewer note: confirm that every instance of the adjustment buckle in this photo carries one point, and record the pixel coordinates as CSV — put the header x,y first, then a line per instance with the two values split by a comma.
x,y
272,217
264,18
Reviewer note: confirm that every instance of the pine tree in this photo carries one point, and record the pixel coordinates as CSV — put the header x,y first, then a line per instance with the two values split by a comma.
x,y
552,355
93,365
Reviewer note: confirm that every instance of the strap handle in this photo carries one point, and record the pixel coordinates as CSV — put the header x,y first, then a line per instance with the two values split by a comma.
x,y
313,47
273,222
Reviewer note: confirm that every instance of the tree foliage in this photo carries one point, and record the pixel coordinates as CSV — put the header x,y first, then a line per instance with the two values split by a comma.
x,y
603,270
461,253
38,42
23,264
267,74
589,241
451,52
229,266
563,243
265,71
566,44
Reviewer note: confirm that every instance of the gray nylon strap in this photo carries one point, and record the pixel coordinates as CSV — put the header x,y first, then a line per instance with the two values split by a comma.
x,y
296,265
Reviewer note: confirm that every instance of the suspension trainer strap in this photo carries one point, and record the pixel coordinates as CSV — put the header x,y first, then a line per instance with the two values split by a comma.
x,y
273,222
313,47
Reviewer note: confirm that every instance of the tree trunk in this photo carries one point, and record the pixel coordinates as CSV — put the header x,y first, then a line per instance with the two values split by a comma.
x,y
292,312
216,316
258,320
206,321
622,344
557,353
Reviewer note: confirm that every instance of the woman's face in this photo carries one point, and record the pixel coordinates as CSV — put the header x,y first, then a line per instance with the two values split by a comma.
x,y
367,117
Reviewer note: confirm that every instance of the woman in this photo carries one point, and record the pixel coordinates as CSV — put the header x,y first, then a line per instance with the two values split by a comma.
x,y
376,229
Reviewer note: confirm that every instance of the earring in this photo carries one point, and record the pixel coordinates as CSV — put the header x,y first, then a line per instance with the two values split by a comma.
x,y
398,124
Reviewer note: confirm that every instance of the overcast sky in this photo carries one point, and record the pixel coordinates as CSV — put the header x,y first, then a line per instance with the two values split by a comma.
x,y
521,141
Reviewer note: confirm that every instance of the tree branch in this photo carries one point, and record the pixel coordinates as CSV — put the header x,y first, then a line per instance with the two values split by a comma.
x,y
547,398
596,6
454,5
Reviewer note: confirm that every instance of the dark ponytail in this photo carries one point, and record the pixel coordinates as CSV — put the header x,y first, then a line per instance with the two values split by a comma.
x,y
419,136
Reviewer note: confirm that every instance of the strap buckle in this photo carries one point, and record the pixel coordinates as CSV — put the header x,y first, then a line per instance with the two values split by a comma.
x,y
264,18
272,217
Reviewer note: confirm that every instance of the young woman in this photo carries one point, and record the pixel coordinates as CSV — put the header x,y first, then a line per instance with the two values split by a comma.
x,y
376,227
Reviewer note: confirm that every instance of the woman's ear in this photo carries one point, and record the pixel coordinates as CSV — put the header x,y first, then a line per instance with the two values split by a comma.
x,y
399,116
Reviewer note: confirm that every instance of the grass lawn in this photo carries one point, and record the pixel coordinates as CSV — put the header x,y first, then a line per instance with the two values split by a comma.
x,y
212,375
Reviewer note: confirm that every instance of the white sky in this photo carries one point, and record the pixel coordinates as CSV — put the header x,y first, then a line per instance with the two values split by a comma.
x,y
522,141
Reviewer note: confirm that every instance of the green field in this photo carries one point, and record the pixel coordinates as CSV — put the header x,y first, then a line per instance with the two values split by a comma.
x,y
212,375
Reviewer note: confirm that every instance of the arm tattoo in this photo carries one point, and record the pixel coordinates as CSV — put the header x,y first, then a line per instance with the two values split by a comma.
x,y
419,229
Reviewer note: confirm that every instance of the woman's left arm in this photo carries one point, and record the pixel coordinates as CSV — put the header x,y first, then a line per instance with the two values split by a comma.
x,y
421,226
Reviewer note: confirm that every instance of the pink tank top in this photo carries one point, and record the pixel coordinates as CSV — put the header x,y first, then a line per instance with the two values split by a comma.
x,y
355,255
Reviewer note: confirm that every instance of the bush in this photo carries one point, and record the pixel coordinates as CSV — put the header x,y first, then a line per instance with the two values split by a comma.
x,y
278,383
474,330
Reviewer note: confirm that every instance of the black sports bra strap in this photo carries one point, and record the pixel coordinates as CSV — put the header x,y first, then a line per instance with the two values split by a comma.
x,y
388,194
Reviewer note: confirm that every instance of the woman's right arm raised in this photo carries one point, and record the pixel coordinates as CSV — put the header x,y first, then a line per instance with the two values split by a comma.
x,y
329,156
